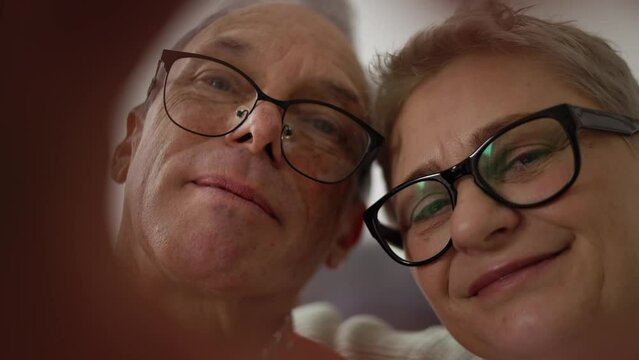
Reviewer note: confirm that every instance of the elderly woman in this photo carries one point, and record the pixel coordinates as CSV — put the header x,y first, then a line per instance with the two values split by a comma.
x,y
513,161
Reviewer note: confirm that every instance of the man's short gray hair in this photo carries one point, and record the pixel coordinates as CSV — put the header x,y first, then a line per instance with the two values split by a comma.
x,y
338,12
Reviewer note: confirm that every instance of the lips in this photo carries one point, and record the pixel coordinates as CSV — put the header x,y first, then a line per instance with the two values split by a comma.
x,y
238,189
502,272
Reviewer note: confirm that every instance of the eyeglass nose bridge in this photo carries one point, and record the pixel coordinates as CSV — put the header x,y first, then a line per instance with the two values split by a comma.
x,y
457,172
287,130
262,96
243,113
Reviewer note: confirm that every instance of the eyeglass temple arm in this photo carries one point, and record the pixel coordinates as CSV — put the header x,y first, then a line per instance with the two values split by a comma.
x,y
154,79
601,120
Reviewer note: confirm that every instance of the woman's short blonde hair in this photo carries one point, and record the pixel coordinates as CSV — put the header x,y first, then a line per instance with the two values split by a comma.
x,y
585,62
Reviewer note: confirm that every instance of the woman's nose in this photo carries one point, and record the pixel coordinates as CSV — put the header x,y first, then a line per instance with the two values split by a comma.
x,y
479,223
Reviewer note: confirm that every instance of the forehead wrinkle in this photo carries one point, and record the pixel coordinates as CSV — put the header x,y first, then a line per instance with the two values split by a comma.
x,y
317,79
228,44
480,135
342,94
236,35
467,143
430,166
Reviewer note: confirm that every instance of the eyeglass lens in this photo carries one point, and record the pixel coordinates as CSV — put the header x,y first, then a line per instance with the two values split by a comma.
x,y
525,165
206,97
212,99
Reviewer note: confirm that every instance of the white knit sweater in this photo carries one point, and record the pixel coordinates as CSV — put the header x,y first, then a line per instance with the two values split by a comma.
x,y
365,337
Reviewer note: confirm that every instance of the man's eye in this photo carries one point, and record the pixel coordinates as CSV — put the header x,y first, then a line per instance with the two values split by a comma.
x,y
325,126
221,84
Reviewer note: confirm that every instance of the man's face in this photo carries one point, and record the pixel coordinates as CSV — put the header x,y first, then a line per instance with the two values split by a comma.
x,y
228,213
532,308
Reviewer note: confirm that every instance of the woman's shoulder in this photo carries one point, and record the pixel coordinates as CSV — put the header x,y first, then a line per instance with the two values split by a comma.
x,y
367,337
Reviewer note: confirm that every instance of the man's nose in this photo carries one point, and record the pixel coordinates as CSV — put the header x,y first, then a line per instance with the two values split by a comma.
x,y
261,131
479,223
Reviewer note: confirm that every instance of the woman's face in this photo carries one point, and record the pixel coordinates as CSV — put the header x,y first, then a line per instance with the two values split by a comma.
x,y
544,282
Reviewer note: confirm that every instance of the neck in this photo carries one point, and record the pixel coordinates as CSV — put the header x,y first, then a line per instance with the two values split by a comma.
x,y
248,325
223,315
250,328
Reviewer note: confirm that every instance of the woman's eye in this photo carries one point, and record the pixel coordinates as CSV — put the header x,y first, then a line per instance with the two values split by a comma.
x,y
430,209
508,163
527,159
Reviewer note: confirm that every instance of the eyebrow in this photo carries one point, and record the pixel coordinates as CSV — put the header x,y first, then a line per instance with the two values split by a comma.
x,y
233,46
341,93
229,45
476,138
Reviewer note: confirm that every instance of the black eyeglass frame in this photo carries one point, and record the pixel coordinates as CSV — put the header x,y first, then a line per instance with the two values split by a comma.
x,y
571,117
375,139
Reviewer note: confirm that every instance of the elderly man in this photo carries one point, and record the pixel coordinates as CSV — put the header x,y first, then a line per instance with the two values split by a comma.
x,y
237,172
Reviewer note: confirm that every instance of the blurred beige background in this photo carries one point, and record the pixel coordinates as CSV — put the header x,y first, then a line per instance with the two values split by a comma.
x,y
370,282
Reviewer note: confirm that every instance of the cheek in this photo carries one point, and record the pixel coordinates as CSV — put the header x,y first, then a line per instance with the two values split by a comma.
x,y
322,203
614,222
321,219
603,203
313,229
432,279
151,157
155,137
602,210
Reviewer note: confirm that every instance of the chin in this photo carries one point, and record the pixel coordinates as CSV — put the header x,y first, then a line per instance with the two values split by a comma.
x,y
534,325
198,255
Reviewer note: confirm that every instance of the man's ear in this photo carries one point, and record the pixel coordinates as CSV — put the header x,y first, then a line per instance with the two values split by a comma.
x,y
351,230
123,153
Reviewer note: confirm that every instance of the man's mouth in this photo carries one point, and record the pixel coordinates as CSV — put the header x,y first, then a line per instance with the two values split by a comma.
x,y
238,189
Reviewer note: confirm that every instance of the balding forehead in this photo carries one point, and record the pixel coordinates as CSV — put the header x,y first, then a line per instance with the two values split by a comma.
x,y
289,19
281,15
261,25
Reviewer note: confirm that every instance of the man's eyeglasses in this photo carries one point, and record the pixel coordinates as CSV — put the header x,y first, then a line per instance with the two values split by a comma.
x,y
210,97
528,163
